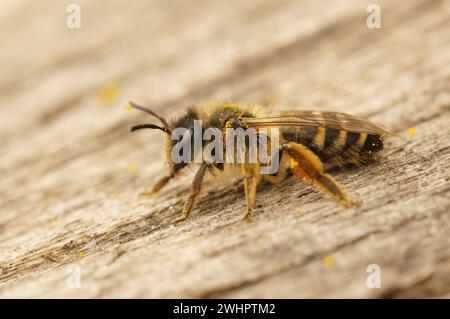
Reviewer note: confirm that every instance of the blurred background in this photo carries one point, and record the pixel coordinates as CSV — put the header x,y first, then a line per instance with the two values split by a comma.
x,y
71,171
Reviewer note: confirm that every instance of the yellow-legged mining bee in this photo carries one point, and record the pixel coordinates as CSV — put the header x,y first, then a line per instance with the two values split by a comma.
x,y
309,143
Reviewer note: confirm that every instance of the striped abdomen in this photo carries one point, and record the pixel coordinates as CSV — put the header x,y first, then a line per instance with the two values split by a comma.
x,y
334,146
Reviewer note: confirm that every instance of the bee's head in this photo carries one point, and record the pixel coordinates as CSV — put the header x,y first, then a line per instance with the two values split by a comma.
x,y
186,121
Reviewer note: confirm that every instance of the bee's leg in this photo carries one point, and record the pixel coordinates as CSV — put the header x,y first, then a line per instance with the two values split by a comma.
x,y
250,186
283,165
195,190
159,185
251,198
307,166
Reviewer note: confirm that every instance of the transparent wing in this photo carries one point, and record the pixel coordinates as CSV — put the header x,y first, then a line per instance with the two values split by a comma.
x,y
335,120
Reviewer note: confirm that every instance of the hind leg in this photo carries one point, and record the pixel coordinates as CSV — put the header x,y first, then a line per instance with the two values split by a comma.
x,y
307,166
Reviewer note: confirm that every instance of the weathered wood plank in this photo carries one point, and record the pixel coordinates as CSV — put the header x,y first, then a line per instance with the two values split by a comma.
x,y
71,172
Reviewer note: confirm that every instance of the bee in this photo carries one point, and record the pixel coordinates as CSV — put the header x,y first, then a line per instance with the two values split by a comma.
x,y
311,143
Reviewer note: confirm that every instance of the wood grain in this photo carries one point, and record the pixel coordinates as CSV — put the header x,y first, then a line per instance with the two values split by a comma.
x,y
71,171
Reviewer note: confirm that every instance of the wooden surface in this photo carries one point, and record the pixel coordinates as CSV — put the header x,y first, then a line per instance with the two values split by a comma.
x,y
71,171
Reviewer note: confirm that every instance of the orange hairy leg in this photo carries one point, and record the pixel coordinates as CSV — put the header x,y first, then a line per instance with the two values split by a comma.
x,y
307,166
